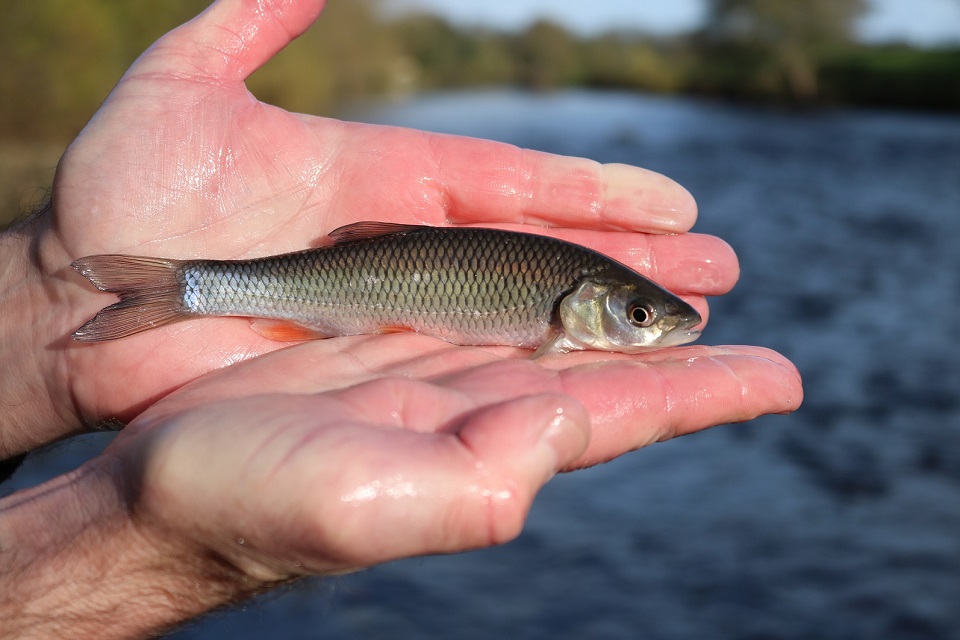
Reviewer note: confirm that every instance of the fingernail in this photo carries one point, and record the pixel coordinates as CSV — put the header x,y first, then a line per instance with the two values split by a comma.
x,y
663,205
566,436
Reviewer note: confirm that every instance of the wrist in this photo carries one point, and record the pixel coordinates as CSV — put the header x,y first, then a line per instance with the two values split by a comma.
x,y
35,404
71,557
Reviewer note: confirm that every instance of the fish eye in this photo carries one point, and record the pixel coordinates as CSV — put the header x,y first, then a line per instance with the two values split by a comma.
x,y
641,314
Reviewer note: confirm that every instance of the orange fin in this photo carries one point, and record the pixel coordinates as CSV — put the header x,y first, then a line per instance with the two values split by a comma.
x,y
395,329
284,330
370,229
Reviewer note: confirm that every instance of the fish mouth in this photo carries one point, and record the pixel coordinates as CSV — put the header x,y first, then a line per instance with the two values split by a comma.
x,y
672,339
676,338
684,331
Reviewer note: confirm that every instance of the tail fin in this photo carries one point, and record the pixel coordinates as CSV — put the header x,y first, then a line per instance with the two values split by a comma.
x,y
150,295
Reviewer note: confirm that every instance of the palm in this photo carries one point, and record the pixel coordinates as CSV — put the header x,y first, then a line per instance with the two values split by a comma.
x,y
410,454
242,179
309,454
181,161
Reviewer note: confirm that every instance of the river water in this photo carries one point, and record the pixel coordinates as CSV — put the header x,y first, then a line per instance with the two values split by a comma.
x,y
839,521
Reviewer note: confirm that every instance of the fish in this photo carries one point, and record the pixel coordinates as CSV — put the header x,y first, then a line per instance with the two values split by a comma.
x,y
465,285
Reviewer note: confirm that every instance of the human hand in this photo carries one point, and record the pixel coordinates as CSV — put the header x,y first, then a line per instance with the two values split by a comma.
x,y
297,452
181,161
438,452
260,473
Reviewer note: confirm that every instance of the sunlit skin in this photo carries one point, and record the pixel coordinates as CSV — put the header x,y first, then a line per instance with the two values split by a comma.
x,y
248,462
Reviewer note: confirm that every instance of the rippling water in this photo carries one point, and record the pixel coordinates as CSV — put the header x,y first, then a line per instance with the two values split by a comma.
x,y
840,521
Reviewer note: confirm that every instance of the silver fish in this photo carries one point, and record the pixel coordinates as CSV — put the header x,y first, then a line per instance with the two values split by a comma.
x,y
468,286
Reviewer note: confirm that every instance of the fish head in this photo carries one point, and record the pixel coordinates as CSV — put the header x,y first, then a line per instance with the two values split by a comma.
x,y
626,316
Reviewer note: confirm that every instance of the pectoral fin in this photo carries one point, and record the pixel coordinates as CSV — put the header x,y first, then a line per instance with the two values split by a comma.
x,y
395,329
554,344
284,330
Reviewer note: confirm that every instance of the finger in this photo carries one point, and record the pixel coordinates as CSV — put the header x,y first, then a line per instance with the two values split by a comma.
x,y
493,182
466,180
712,386
231,39
688,263
635,401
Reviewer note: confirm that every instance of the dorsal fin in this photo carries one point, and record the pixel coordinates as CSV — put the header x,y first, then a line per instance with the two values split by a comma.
x,y
370,229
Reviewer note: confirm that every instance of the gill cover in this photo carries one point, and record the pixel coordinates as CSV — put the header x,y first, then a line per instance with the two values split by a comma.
x,y
625,317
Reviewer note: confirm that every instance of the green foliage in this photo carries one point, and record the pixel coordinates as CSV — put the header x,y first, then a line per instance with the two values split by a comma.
x,y
772,48
60,58
895,76
347,55
440,56
547,55
810,24
26,172
624,61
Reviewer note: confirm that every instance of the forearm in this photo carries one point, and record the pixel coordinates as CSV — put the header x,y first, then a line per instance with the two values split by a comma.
x,y
74,564
35,406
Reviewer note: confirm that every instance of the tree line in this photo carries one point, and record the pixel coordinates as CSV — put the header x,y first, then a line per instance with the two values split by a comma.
x,y
61,57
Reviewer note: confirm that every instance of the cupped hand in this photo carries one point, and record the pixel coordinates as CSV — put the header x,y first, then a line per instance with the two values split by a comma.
x,y
326,456
182,161
433,449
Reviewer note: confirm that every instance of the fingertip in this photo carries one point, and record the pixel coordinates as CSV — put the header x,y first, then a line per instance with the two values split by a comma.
x,y
762,380
716,273
774,358
651,201
789,385
703,308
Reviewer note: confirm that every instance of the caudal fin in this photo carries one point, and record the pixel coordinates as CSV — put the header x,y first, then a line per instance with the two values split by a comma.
x,y
149,289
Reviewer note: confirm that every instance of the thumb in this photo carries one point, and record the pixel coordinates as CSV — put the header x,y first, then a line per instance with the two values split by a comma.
x,y
471,487
516,447
231,39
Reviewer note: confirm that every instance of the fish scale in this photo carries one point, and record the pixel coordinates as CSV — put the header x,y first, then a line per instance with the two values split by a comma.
x,y
465,285
476,284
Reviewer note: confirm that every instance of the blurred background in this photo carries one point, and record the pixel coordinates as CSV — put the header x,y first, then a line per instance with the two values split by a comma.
x,y
60,58
820,138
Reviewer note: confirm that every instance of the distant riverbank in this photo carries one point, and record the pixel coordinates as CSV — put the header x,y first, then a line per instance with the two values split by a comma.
x,y
59,65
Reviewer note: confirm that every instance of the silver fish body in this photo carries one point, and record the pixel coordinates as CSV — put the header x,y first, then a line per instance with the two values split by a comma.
x,y
469,286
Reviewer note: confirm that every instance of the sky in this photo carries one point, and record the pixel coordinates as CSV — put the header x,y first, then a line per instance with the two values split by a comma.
x,y
921,22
